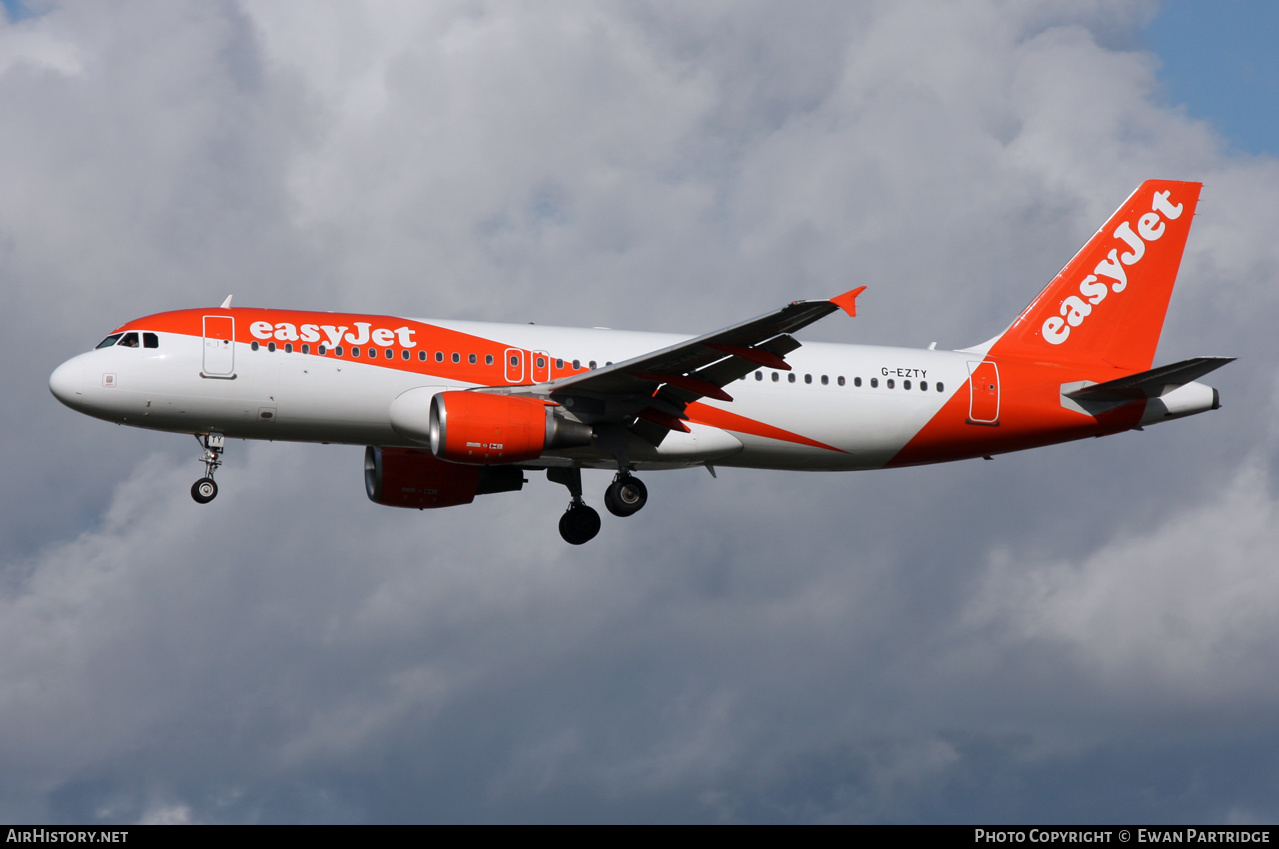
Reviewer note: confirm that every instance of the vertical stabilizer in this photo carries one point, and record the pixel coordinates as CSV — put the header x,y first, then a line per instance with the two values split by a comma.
x,y
1107,305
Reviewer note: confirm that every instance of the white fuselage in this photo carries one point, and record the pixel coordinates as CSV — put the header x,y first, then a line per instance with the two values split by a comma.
x,y
866,402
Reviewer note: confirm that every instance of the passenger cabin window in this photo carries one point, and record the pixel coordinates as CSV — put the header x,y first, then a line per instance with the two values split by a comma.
x,y
130,340
150,340
488,359
110,340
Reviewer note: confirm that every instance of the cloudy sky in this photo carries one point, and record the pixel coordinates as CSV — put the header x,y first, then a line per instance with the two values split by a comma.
x,y
1080,633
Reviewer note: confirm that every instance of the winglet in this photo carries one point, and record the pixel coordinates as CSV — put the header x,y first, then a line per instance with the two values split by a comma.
x,y
226,305
848,301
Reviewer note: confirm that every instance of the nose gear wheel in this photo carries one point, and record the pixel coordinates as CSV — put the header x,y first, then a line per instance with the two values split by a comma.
x,y
205,489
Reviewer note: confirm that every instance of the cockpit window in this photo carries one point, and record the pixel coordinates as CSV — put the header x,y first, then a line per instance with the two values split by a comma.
x,y
150,340
130,340
110,340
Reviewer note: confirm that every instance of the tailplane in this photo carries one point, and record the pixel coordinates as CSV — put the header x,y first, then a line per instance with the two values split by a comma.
x,y
1107,305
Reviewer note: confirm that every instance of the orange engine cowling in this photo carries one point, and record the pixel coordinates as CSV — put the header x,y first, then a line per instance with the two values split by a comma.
x,y
406,477
482,429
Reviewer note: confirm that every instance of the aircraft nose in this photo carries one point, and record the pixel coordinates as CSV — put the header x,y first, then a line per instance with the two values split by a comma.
x,y
67,383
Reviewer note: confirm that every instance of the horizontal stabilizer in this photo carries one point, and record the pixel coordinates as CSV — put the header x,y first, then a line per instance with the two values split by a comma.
x,y
1150,384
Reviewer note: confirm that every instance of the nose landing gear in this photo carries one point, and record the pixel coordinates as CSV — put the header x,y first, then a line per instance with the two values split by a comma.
x,y
205,489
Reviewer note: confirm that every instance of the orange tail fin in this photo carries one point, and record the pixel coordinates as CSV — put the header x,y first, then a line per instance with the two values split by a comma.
x,y
1108,304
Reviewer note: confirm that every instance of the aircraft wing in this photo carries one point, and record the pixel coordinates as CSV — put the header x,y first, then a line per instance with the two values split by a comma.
x,y
654,389
1150,384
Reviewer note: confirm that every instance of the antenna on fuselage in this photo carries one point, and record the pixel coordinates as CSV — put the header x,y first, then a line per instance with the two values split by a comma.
x,y
226,305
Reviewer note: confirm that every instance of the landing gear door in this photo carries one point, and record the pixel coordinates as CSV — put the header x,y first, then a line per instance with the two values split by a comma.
x,y
983,388
219,346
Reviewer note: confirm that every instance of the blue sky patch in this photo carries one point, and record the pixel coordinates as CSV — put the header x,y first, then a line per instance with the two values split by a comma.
x,y
1219,61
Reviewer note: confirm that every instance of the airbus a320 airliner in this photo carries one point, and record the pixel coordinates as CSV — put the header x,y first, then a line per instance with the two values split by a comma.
x,y
450,410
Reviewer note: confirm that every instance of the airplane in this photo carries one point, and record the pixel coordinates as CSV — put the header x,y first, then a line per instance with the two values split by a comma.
x,y
450,410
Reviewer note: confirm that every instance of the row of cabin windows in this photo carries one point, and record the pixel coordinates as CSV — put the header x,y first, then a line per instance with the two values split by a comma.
x,y
151,340
389,353
130,340
857,381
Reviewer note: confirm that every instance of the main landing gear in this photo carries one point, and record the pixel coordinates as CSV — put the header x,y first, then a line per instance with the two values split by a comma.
x,y
205,489
626,495
580,522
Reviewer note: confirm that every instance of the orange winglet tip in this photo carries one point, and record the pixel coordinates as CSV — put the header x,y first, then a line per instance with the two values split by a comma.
x,y
848,301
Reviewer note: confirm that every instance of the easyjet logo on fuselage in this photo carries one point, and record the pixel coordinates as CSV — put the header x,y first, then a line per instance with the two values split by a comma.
x,y
1092,290
334,335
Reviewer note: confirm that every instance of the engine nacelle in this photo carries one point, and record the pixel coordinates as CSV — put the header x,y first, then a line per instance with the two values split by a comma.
x,y
482,429
406,477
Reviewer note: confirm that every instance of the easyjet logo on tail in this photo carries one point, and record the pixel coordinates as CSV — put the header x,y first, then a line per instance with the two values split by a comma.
x,y
1094,289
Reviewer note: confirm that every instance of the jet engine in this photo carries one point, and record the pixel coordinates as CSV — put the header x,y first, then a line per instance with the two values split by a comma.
x,y
482,429
407,477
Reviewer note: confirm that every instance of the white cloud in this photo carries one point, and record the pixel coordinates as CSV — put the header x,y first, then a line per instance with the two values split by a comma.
x,y
1183,609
